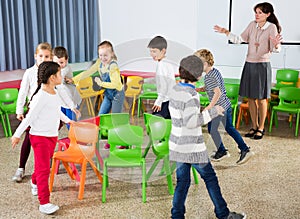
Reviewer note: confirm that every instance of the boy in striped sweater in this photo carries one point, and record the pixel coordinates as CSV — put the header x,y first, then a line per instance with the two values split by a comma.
x,y
186,143
215,89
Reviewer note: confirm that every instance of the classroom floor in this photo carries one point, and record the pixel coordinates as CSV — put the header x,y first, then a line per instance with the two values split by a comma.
x,y
267,186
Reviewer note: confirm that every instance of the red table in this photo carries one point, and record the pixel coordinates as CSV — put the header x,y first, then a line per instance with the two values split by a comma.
x,y
10,84
142,74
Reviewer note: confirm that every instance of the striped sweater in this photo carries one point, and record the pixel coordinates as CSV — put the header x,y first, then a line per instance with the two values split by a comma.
x,y
186,141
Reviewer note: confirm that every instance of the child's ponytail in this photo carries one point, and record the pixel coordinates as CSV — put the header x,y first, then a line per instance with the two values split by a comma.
x,y
46,69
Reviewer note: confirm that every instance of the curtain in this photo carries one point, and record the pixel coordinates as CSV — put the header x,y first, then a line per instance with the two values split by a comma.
x,y
26,23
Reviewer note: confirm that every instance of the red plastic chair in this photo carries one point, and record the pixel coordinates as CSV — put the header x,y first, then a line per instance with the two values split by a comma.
x,y
64,143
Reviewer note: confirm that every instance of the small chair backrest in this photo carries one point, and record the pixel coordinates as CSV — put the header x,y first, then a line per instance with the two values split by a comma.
x,y
286,78
126,135
149,87
83,138
150,117
8,99
111,120
232,92
159,133
133,86
95,120
289,97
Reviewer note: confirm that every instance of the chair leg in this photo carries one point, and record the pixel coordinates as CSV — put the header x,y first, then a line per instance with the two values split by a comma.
x,y
168,175
195,175
104,184
144,181
9,133
52,173
271,121
239,119
297,125
82,180
3,125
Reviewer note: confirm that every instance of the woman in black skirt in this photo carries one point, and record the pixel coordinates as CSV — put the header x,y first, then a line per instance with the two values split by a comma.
x,y
263,38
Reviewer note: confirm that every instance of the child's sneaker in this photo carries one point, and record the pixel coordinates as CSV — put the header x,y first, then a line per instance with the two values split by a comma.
x,y
34,189
234,215
220,155
245,156
48,208
19,175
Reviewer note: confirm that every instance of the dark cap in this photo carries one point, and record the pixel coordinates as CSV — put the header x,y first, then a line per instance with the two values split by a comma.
x,y
193,65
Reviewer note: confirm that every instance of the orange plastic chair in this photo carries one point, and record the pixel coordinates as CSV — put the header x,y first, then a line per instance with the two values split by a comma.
x,y
133,89
86,92
83,139
63,144
244,111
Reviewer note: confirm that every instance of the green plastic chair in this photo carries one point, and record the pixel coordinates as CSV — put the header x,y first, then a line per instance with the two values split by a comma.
x,y
126,135
8,104
284,78
232,92
289,102
112,120
160,144
159,133
3,123
149,93
204,99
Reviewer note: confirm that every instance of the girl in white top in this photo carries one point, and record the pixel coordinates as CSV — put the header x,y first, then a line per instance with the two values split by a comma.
x,y
43,117
28,86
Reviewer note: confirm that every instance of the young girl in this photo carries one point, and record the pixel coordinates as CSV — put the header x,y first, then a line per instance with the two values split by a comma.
x,y
43,117
43,53
28,86
109,78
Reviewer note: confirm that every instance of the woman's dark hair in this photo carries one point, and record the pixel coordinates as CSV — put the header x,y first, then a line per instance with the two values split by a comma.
x,y
46,69
266,8
186,75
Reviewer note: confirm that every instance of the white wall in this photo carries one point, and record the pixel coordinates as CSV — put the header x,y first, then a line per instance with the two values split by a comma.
x,y
188,25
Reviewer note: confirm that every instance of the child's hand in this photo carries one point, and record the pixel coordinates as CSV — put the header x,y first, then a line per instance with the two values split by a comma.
x,y
69,80
200,89
14,141
220,110
20,117
156,108
77,113
98,81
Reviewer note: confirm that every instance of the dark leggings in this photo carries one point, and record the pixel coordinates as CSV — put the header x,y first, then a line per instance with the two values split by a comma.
x,y
25,150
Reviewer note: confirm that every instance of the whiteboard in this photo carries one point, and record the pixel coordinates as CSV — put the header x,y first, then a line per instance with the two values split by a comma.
x,y
287,12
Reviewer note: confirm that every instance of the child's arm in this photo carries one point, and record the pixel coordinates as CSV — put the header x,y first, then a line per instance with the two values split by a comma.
x,y
216,97
115,78
86,73
192,116
23,92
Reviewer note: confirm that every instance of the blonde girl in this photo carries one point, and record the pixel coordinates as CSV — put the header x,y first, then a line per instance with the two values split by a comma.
x,y
109,78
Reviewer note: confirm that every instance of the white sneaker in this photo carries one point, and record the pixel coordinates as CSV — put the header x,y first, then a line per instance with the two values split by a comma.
x,y
48,208
34,189
19,175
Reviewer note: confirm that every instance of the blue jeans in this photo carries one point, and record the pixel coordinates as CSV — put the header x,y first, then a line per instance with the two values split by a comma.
x,y
208,174
226,120
115,105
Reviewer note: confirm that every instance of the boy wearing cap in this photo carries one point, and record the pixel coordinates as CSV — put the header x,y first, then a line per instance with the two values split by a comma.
x,y
164,77
215,89
186,142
